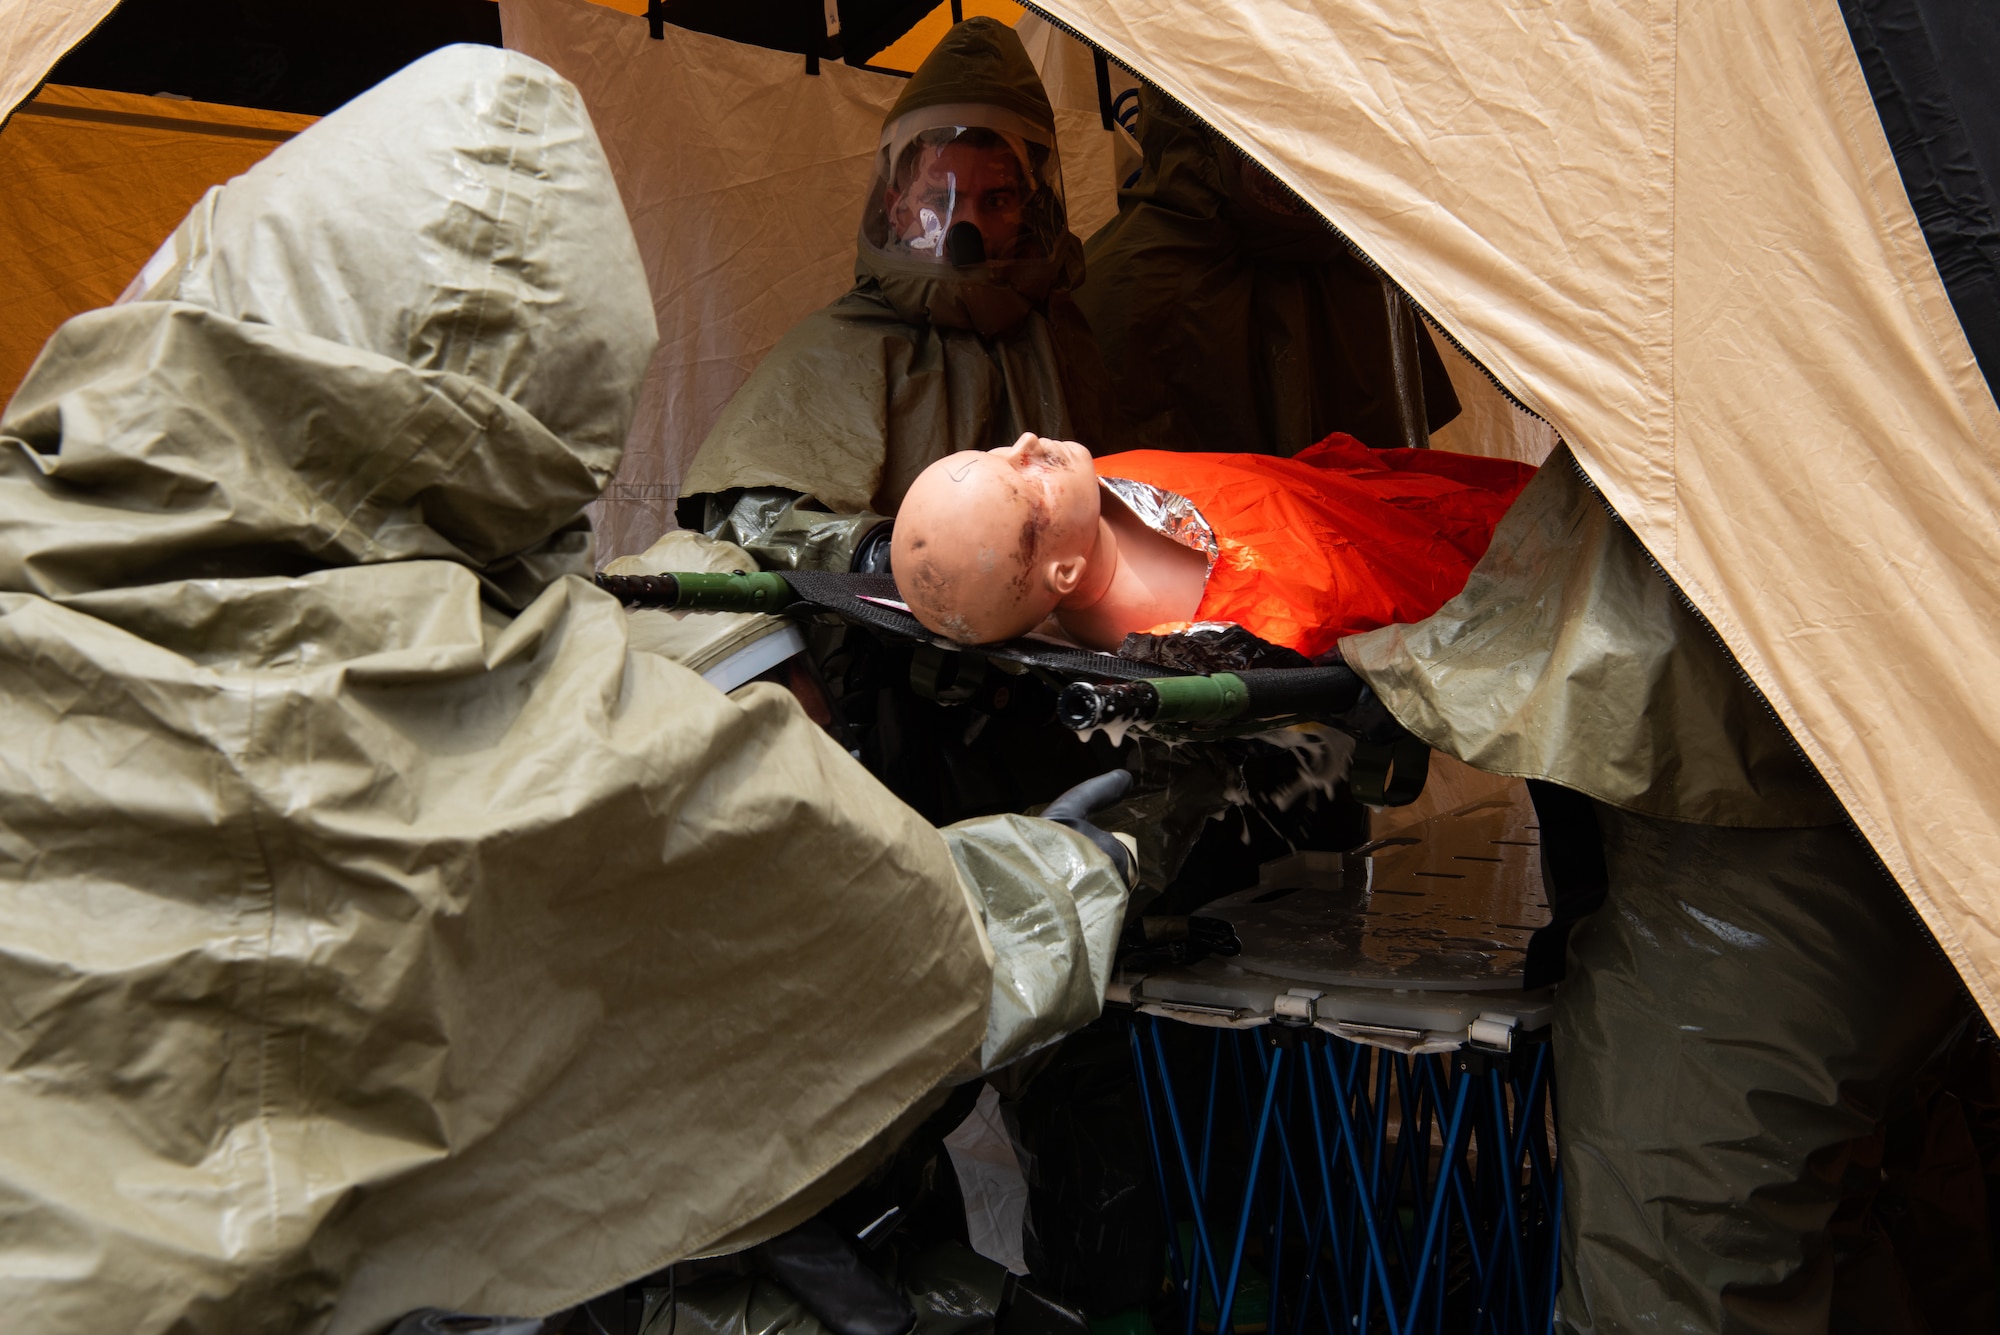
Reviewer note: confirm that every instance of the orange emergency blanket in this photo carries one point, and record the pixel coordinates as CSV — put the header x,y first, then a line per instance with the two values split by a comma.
x,y
1338,538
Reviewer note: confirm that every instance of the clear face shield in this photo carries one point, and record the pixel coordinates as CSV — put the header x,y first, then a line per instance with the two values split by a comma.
x,y
965,185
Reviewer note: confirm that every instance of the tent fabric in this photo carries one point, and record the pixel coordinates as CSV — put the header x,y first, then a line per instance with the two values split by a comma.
x,y
34,35
744,232
1678,233
380,926
94,181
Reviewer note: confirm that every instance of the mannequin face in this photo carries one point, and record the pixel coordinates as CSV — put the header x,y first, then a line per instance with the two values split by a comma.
x,y
988,542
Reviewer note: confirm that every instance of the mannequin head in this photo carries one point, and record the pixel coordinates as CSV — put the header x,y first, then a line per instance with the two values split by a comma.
x,y
988,543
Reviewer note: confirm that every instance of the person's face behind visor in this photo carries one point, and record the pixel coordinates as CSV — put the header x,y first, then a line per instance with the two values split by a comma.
x,y
976,177
966,185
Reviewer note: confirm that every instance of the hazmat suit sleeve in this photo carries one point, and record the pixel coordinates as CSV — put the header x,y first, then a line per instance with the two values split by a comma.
x,y
781,529
1570,657
380,926
1052,905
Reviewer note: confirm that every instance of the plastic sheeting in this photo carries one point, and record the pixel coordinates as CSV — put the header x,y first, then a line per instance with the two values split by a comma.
x,y
744,179
1677,232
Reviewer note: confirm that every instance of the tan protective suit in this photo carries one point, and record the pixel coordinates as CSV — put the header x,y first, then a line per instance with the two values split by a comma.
x,y
1754,993
916,362
1232,318
379,927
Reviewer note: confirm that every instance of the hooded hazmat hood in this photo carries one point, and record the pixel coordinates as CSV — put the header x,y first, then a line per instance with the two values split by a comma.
x,y
442,371
921,358
979,82
368,944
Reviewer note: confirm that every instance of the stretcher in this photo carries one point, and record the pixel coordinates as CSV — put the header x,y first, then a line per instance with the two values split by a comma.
x,y
1095,690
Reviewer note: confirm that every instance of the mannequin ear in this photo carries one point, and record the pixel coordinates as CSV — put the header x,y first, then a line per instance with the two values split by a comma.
x,y
1064,575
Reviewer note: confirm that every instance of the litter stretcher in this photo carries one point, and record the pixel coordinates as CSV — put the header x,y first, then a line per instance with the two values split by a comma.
x,y
1095,689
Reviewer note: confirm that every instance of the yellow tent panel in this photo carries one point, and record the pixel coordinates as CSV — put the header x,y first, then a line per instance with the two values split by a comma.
x,y
95,181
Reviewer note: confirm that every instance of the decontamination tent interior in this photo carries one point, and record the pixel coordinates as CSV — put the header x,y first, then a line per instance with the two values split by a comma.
x,y
1678,233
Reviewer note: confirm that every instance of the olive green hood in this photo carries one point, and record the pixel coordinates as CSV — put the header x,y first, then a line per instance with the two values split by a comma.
x,y
381,924
980,62
347,358
920,359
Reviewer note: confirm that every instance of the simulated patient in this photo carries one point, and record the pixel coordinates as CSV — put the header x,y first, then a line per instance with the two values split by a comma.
x,y
1301,551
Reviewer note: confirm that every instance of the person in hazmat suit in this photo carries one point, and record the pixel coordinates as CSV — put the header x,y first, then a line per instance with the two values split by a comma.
x,y
381,926
959,333
1233,319
1747,989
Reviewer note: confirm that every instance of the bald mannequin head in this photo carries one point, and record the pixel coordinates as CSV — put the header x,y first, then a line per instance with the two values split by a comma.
x,y
988,543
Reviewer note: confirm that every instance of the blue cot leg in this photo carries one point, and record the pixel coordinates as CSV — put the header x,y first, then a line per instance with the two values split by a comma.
x,y
1204,1255
1555,1260
1362,1178
1507,1172
1227,1302
1437,1210
1182,1270
1288,1158
1343,1268
1459,1176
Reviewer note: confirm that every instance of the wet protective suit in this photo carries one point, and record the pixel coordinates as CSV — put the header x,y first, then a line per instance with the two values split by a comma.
x,y
959,333
383,924
1746,989
1232,319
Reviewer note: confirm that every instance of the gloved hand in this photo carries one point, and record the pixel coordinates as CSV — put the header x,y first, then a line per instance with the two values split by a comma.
x,y
1156,942
871,554
1087,798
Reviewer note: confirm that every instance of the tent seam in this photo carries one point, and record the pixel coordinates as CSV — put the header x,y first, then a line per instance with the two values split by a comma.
x,y
1674,279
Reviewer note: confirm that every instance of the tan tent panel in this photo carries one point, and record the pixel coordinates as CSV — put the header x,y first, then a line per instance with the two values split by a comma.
x,y
1676,231
34,35
94,182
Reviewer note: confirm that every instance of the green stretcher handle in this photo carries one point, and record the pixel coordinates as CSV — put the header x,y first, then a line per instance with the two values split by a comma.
x,y
1216,699
1221,698
701,590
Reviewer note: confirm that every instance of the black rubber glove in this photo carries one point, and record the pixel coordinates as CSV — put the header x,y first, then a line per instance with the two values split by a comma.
x,y
1155,942
823,1269
1087,798
871,554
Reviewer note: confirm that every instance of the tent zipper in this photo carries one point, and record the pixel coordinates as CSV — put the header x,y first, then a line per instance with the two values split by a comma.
x,y
1436,325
